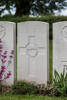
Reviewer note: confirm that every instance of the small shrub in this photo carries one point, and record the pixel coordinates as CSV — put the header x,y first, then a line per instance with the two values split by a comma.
x,y
21,87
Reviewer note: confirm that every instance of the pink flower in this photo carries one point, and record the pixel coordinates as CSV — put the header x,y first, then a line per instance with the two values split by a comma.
x,y
3,61
12,51
5,52
8,75
2,70
4,74
3,67
4,56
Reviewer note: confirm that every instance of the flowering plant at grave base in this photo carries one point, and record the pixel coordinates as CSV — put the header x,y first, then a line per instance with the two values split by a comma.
x,y
5,61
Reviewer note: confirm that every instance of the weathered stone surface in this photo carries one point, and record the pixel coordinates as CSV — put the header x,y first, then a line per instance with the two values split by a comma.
x,y
7,35
60,46
33,60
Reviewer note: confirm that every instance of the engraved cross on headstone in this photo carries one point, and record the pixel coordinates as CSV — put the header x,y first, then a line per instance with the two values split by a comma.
x,y
32,49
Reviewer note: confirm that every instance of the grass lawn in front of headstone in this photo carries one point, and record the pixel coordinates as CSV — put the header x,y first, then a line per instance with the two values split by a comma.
x,y
21,97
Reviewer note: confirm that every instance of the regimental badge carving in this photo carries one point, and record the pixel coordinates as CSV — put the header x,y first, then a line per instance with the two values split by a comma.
x,y
2,31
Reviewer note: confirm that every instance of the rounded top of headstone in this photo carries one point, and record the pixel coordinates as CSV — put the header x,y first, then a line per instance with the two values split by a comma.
x,y
62,22
7,22
33,22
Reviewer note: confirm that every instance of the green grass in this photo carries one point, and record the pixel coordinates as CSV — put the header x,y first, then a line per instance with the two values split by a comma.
x,y
20,97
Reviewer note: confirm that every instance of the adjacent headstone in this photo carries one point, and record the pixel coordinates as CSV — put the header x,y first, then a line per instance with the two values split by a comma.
x,y
7,35
33,51
60,46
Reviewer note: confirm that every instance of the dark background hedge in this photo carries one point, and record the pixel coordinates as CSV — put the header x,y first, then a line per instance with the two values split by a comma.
x,y
49,19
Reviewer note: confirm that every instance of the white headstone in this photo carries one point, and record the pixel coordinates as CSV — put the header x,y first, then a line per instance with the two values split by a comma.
x,y
60,46
7,35
33,61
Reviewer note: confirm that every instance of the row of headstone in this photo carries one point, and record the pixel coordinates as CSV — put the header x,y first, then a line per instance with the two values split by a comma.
x,y
33,49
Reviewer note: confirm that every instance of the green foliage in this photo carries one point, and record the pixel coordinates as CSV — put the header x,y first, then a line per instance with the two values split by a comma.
x,y
60,82
23,7
5,5
21,87
31,97
24,88
57,88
